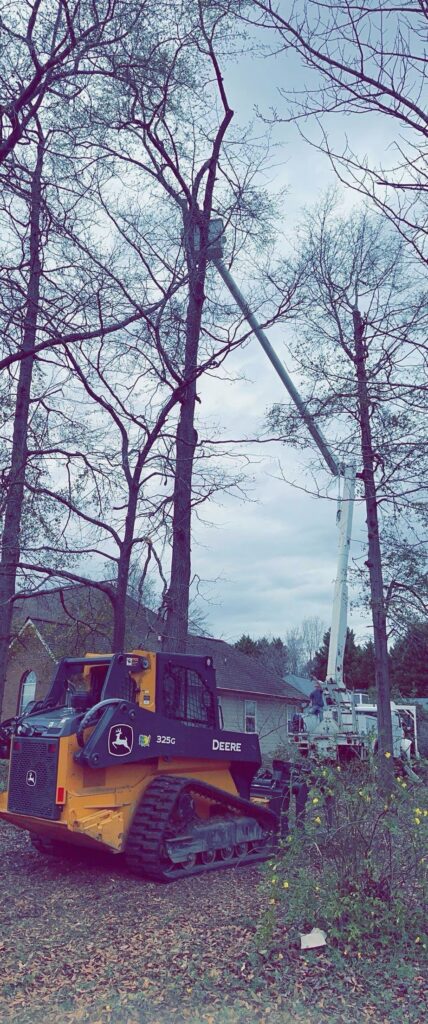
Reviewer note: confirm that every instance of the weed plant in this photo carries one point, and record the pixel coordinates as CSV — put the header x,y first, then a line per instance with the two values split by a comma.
x,y
357,869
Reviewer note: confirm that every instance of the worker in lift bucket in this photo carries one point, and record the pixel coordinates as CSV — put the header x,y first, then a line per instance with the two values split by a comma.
x,y
317,701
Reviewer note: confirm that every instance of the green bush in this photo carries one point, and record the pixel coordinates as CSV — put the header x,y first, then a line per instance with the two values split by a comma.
x,y
358,868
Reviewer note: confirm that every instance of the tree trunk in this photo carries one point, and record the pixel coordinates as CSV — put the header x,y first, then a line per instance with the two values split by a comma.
x,y
374,562
121,589
16,483
177,598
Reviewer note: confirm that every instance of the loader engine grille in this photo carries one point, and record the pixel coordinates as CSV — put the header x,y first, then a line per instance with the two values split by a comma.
x,y
33,777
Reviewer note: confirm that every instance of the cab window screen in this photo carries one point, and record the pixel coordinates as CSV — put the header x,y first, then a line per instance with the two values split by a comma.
x,y
174,688
187,698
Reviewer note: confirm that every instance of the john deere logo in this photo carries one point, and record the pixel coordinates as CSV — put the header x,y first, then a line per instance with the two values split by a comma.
x,y
31,778
144,741
120,740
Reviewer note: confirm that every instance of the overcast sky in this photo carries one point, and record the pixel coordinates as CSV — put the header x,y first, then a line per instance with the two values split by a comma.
x,y
270,563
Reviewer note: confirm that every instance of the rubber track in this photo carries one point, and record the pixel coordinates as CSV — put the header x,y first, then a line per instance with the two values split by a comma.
x,y
151,821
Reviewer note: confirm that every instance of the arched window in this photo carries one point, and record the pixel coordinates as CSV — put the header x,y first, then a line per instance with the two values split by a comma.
x,y
27,690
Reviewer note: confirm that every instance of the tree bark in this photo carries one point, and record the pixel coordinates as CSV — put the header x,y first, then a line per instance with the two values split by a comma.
x,y
124,561
196,217
374,562
177,598
15,488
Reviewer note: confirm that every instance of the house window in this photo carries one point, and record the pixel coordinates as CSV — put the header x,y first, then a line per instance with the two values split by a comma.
x,y
27,690
220,714
250,716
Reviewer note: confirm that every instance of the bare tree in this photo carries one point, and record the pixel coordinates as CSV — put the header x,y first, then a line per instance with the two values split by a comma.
x,y
180,142
16,469
405,559
54,278
295,657
107,450
362,353
312,632
49,48
362,59
117,346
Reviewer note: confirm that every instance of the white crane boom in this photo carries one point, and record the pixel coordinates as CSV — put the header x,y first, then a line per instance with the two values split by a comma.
x,y
340,601
312,426
336,649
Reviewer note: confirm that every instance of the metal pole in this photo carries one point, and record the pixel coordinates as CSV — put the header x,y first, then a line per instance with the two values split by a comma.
x,y
278,366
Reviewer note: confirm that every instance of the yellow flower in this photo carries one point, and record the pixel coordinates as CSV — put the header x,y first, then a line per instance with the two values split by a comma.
x,y
417,939
315,800
418,810
417,821
285,885
272,901
387,753
317,820
273,881
425,814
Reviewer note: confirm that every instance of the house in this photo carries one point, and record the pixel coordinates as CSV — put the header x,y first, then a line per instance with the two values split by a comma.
x,y
252,698
71,621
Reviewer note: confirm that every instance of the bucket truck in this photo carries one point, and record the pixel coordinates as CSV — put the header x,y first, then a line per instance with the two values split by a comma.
x,y
340,732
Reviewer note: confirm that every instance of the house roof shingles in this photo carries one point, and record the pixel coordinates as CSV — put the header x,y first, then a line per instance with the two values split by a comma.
x,y
73,620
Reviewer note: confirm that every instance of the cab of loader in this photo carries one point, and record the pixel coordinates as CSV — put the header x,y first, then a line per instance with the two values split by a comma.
x,y
80,683
182,688
184,685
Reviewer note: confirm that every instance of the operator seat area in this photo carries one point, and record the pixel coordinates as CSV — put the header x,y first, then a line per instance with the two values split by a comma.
x,y
85,690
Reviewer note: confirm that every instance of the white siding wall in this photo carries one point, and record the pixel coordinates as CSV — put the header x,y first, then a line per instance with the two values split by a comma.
x,y
271,716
